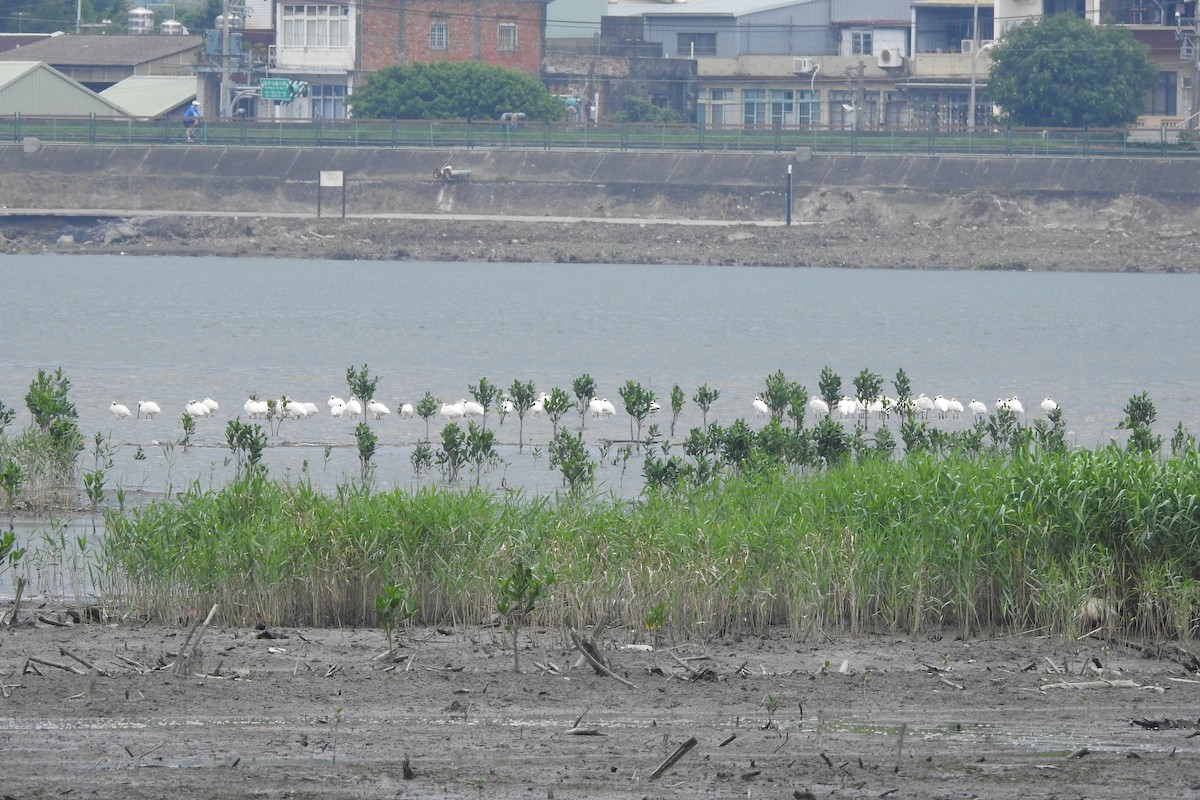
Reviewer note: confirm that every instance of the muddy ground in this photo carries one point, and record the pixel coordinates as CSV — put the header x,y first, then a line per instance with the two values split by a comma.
x,y
831,229
314,714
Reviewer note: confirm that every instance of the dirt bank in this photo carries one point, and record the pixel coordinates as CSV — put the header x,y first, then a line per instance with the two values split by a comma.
x,y
840,229
313,713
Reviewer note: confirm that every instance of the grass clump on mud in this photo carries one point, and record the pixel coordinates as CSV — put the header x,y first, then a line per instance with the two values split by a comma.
x,y
970,541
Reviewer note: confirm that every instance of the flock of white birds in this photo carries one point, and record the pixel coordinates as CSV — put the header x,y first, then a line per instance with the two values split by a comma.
x,y
846,407
352,408
921,405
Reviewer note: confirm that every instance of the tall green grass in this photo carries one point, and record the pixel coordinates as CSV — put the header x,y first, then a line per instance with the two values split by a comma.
x,y
971,543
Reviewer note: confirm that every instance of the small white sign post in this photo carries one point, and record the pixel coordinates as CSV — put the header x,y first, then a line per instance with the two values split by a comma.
x,y
333,179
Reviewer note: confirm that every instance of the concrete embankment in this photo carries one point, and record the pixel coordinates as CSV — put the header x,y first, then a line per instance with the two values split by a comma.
x,y
738,186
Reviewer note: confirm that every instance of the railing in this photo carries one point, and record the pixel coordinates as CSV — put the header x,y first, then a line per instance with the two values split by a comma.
x,y
458,134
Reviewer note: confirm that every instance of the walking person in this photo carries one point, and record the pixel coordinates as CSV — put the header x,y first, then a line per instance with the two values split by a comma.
x,y
191,118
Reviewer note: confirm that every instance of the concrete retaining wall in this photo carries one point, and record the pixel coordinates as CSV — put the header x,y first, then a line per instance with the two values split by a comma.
x,y
584,183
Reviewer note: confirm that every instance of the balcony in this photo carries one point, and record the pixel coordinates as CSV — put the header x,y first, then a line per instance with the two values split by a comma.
x,y
310,59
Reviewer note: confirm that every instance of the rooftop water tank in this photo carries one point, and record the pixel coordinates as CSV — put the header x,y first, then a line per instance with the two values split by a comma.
x,y
141,21
172,27
236,23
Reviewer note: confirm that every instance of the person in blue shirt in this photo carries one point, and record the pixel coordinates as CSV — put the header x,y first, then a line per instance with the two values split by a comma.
x,y
191,118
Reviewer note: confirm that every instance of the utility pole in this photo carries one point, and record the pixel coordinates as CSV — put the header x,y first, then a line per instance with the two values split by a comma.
x,y
223,105
974,64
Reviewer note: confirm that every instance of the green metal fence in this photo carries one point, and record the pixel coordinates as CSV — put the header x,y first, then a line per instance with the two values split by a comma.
x,y
458,134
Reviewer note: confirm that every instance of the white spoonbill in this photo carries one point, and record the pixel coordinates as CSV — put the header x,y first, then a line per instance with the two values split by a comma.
x,y
1013,404
119,411
596,406
195,409
1049,405
539,406
956,407
452,411
942,406
295,409
847,406
609,408
311,408
761,407
406,411
977,408
334,400
354,407
471,408
149,408
337,411
923,405
210,404
818,406
378,409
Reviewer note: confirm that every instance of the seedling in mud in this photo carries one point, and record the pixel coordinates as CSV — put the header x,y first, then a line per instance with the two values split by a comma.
x,y
422,458
771,702
394,607
519,593
677,401
556,405
569,454
362,383
585,389
656,619
638,402
427,406
523,398
484,393
189,427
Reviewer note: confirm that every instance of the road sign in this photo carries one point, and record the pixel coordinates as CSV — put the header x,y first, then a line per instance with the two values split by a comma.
x,y
275,88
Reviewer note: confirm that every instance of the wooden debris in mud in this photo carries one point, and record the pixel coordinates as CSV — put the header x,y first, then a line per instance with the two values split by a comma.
x,y
187,659
1102,684
1166,724
679,753
16,609
586,650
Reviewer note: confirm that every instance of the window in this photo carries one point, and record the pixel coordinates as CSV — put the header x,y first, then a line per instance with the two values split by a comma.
x,y
315,26
328,101
808,111
696,44
860,43
754,107
438,35
724,111
507,37
782,107
1162,95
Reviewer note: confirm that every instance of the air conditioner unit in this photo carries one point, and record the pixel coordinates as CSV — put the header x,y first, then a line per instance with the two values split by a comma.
x,y
803,66
984,44
890,57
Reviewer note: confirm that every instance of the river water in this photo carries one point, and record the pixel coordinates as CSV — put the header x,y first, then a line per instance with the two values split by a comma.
x,y
176,329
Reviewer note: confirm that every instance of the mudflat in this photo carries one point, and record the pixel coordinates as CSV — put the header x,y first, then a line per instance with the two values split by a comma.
x,y
97,709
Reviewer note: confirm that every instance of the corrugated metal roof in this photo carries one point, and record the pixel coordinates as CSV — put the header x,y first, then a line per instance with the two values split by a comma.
x,y
151,96
85,51
34,89
703,8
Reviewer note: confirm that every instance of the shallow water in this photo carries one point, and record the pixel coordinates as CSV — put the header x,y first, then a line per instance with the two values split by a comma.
x,y
176,329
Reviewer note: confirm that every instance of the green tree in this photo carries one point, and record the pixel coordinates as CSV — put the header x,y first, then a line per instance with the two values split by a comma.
x,y
198,17
427,406
585,389
777,394
480,446
569,454
638,401
366,441
677,401
556,405
485,393
830,386
523,397
452,90
704,398
1063,71
362,383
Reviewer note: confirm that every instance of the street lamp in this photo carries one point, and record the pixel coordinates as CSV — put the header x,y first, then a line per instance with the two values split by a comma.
x,y
974,62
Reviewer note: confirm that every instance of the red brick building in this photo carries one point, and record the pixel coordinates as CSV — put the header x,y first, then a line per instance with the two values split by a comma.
x,y
503,33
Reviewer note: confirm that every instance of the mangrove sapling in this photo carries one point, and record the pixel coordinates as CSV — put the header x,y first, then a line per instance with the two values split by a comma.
x,y
569,454
518,595
421,458
246,443
638,401
7,415
677,401
1182,441
585,390
427,406
480,450
903,387
777,394
485,393
394,607
453,452
868,386
556,405
797,405
47,399
1139,416
704,399
11,479
366,441
94,479
362,383
189,427
830,386
523,397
